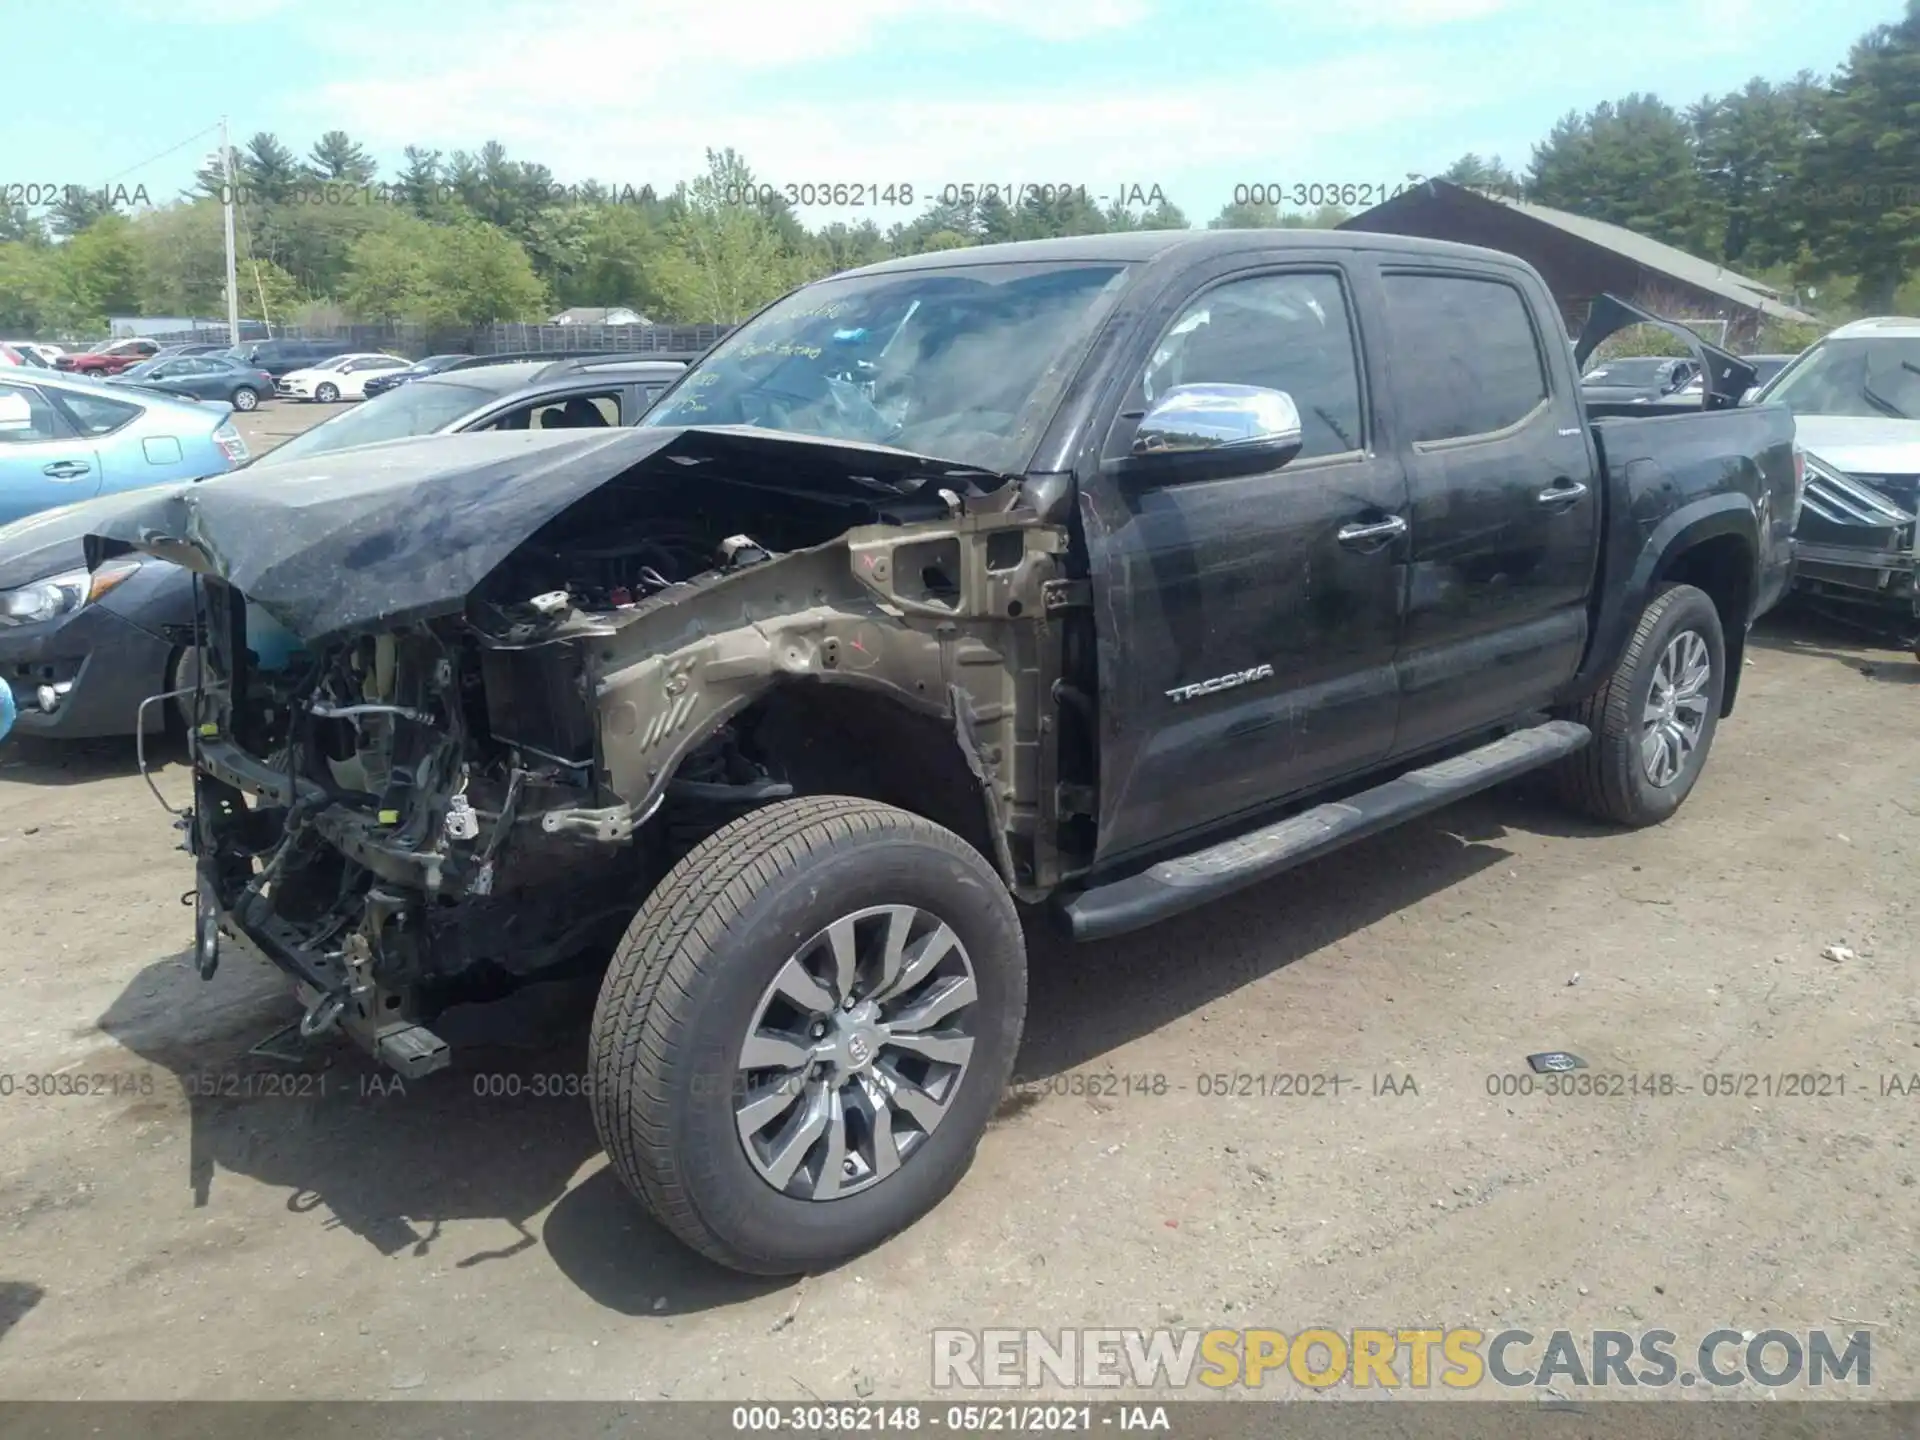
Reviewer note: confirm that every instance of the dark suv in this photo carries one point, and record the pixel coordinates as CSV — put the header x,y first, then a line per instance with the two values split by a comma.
x,y
282,357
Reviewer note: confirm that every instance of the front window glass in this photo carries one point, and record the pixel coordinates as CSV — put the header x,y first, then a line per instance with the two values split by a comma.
x,y
963,363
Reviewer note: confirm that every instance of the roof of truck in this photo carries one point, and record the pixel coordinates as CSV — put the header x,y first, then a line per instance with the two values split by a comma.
x,y
1139,245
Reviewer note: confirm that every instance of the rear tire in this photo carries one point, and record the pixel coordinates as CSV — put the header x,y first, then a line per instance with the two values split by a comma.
x,y
707,966
1653,720
246,398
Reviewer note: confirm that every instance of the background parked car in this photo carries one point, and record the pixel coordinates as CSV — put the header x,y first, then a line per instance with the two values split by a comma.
x,y
81,668
198,347
1633,379
432,365
282,357
20,358
342,378
47,354
201,377
109,357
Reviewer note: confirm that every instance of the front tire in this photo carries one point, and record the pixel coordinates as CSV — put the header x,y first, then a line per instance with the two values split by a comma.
x,y
805,1031
326,392
246,398
1653,720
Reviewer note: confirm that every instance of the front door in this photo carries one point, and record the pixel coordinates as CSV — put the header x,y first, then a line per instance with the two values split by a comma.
x,y
1246,625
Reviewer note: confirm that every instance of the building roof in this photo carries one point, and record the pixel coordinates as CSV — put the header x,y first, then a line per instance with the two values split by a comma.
x,y
1655,255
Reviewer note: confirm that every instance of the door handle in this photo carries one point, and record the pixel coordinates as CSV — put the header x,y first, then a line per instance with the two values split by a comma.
x,y
66,469
1371,534
1561,493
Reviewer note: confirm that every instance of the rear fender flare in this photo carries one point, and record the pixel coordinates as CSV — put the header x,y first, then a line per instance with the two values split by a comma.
x,y
1623,601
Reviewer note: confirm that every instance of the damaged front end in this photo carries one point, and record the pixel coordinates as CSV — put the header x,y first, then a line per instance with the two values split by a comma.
x,y
409,796
1856,542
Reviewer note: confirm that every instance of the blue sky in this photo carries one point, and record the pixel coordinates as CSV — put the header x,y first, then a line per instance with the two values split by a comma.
x,y
1196,96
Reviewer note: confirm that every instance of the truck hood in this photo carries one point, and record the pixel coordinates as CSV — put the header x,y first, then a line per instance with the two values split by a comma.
x,y
1862,445
386,535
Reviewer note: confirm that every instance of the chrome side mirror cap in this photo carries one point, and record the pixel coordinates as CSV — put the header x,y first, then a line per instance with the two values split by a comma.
x,y
1225,428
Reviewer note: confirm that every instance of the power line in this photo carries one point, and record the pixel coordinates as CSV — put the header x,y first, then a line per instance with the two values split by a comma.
x,y
162,155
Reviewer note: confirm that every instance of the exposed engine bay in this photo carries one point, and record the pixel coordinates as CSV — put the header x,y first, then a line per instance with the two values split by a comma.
x,y
419,817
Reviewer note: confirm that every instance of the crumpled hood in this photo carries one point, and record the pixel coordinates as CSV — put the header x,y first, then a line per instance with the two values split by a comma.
x,y
386,535
1862,444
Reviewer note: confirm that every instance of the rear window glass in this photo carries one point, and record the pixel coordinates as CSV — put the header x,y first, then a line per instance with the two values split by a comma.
x,y
1467,355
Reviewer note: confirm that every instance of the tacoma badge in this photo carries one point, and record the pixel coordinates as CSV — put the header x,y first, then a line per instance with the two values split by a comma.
x,y
1180,694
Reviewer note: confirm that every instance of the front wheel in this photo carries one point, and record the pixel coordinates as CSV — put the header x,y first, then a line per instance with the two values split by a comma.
x,y
1653,719
800,1040
326,392
246,398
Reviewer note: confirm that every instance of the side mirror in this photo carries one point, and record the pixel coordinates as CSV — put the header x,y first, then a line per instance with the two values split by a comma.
x,y
1748,395
1218,430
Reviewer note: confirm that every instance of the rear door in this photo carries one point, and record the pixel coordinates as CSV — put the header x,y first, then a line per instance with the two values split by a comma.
x,y
44,460
1247,625
1505,511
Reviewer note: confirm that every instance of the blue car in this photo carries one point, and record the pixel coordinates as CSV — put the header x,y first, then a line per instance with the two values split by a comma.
x,y
64,440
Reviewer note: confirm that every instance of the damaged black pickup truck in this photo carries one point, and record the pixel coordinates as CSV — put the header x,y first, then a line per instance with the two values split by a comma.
x,y
1101,576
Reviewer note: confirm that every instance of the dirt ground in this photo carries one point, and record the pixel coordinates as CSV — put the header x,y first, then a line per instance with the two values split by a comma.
x,y
351,1241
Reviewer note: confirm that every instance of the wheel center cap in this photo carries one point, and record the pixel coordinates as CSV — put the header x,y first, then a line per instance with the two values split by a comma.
x,y
859,1049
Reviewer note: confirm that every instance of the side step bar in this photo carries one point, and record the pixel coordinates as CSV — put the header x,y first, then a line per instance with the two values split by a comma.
x,y
1189,881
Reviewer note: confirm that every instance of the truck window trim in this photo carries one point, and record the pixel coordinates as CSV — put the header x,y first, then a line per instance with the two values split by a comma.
x,y
1132,396
1490,276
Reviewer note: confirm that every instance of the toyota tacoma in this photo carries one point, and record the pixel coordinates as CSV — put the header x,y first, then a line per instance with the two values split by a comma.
x,y
1090,577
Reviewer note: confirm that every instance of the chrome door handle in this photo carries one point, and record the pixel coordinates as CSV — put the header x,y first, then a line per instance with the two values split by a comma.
x,y
1561,493
66,469
1360,536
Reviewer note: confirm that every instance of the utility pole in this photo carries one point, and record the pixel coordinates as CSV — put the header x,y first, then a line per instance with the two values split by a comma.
x,y
226,209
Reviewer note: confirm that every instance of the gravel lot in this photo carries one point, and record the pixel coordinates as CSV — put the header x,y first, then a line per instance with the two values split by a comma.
x,y
350,1241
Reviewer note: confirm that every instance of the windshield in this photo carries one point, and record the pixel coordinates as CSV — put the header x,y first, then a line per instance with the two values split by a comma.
x,y
964,364
1869,376
417,409
143,369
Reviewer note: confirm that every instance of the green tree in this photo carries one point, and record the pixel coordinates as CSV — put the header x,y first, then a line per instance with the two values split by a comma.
x,y
1490,175
1246,216
1630,162
336,157
17,223
30,288
78,209
722,260
1751,147
99,271
1862,177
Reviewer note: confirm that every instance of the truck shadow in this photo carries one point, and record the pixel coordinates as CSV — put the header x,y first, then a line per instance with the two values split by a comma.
x,y
1085,1000
501,1136
17,1297
1799,631
505,1135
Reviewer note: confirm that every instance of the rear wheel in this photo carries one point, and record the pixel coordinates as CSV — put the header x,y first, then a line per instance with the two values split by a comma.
x,y
805,1031
326,392
1653,720
246,398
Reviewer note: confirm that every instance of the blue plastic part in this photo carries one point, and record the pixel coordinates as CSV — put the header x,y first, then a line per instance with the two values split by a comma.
x,y
273,645
8,711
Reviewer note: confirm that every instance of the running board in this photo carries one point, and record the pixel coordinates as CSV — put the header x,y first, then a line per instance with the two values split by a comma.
x,y
1189,881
